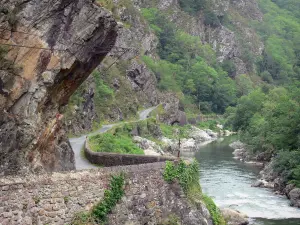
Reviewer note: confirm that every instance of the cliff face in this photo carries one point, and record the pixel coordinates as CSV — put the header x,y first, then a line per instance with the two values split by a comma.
x,y
133,84
229,38
54,46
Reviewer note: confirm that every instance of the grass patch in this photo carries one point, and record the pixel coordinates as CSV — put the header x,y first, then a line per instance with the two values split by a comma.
x,y
119,143
99,213
188,177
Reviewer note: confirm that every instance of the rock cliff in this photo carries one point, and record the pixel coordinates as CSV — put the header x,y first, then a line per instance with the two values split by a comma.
x,y
52,47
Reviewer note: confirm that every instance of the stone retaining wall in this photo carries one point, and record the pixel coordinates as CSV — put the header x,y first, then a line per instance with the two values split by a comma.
x,y
113,159
50,199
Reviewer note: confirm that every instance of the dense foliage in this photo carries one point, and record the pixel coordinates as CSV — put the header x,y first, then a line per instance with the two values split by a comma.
x,y
270,123
189,67
280,31
193,6
269,117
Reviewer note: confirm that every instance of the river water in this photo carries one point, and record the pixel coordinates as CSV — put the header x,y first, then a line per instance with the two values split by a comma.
x,y
228,182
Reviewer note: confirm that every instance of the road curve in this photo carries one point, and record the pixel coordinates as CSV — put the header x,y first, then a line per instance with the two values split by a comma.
x,y
77,144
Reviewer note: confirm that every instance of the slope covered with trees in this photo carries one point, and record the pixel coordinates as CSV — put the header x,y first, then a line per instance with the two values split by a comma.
x,y
269,117
189,67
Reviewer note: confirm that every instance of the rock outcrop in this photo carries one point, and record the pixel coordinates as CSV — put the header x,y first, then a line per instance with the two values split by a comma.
x,y
134,85
55,45
195,139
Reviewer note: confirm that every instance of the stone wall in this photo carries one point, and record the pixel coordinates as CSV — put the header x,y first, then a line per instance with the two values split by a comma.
x,y
56,198
108,159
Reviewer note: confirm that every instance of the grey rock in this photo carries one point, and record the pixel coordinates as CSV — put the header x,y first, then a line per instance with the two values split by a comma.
x,y
234,217
294,196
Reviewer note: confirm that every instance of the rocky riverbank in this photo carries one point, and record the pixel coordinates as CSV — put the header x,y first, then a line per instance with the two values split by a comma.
x,y
268,177
169,146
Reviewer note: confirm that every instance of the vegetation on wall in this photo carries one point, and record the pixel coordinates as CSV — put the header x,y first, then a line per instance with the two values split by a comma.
x,y
99,213
111,198
188,177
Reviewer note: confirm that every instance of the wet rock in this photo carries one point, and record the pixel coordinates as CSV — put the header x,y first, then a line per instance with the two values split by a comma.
x,y
234,217
294,196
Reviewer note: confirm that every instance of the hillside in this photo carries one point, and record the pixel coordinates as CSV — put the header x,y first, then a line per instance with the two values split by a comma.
x,y
191,61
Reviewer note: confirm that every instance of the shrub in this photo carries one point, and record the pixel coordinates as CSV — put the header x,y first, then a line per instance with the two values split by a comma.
x,y
193,6
287,163
184,173
211,19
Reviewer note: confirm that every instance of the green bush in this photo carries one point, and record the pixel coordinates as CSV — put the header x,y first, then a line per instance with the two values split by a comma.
x,y
193,6
211,19
108,142
287,163
184,173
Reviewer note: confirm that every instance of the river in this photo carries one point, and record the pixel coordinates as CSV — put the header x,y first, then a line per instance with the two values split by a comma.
x,y
228,182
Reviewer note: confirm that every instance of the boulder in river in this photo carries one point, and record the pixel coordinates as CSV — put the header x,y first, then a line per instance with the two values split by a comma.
x,y
294,196
234,217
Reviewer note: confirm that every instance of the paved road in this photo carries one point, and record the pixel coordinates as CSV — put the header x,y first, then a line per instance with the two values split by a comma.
x,y
78,143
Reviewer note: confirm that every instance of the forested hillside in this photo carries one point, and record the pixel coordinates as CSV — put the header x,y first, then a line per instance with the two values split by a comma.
x,y
269,117
189,67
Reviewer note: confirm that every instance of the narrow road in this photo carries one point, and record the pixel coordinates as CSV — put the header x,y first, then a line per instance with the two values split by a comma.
x,y
77,144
